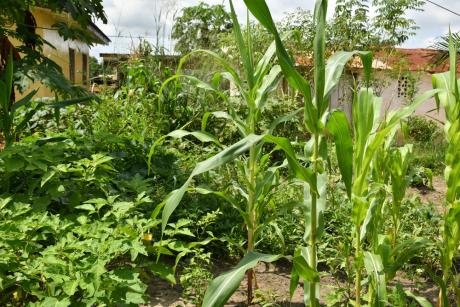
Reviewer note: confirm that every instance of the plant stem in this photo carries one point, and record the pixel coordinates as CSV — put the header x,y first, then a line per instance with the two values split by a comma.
x,y
251,216
395,230
314,222
457,289
358,267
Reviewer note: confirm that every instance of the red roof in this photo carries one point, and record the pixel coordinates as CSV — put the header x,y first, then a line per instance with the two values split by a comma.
x,y
419,59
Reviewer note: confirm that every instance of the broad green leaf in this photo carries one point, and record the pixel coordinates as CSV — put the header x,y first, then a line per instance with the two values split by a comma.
x,y
50,174
374,267
225,156
269,84
162,270
178,134
339,128
4,202
303,270
423,302
321,183
134,298
87,207
245,54
53,302
283,119
14,164
299,171
370,216
336,64
221,288
70,287
319,48
310,277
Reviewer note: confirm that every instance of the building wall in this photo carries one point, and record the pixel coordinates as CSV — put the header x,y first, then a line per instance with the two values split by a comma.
x,y
391,100
60,53
341,98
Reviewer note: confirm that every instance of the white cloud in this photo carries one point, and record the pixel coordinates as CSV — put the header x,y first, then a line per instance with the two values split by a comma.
x,y
132,18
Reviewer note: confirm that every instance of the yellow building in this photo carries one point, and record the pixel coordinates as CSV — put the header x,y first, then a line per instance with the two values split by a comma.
x,y
71,56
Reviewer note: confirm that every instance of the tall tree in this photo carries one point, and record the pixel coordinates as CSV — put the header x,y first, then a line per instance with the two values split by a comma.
x,y
198,27
350,26
354,28
391,22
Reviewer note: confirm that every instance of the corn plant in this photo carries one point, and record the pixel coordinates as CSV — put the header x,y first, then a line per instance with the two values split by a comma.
x,y
316,109
449,99
370,135
255,85
398,167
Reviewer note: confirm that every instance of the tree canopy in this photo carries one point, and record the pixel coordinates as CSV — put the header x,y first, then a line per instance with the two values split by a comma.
x,y
198,27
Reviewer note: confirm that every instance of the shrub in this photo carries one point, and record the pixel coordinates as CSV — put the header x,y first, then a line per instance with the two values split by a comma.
x,y
422,129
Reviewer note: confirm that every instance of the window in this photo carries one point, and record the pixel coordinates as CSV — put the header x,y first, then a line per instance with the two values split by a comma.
x,y
405,87
85,69
72,65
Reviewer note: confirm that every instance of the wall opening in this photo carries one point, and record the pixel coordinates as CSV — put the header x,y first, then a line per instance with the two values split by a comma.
x,y
85,68
72,65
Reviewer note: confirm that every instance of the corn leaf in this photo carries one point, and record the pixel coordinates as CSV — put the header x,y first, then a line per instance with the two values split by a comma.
x,y
299,171
423,302
225,156
374,267
221,288
339,128
244,52
260,11
319,47
336,64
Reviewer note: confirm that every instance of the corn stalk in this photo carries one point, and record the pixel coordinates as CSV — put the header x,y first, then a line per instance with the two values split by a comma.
x,y
449,99
326,77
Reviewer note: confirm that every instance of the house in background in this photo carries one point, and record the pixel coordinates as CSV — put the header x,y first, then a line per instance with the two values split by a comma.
x,y
398,78
401,76
72,56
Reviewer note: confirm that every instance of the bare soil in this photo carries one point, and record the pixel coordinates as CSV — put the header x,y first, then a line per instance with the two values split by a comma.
x,y
273,282
435,195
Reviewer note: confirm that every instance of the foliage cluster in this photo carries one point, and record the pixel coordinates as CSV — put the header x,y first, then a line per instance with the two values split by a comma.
x,y
87,216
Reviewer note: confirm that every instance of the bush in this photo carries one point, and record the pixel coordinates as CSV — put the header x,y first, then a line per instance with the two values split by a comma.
x,y
422,129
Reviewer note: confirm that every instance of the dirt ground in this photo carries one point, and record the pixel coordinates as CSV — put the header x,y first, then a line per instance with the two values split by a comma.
x,y
273,281
435,195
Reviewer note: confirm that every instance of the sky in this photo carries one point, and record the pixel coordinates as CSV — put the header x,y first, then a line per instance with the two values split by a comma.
x,y
129,19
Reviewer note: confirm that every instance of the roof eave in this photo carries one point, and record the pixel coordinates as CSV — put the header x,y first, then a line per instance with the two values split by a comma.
x,y
100,37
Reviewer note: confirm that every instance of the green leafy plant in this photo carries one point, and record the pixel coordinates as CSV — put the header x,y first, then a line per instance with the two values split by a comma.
x,y
449,99
315,110
421,177
260,177
196,276
421,129
13,125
